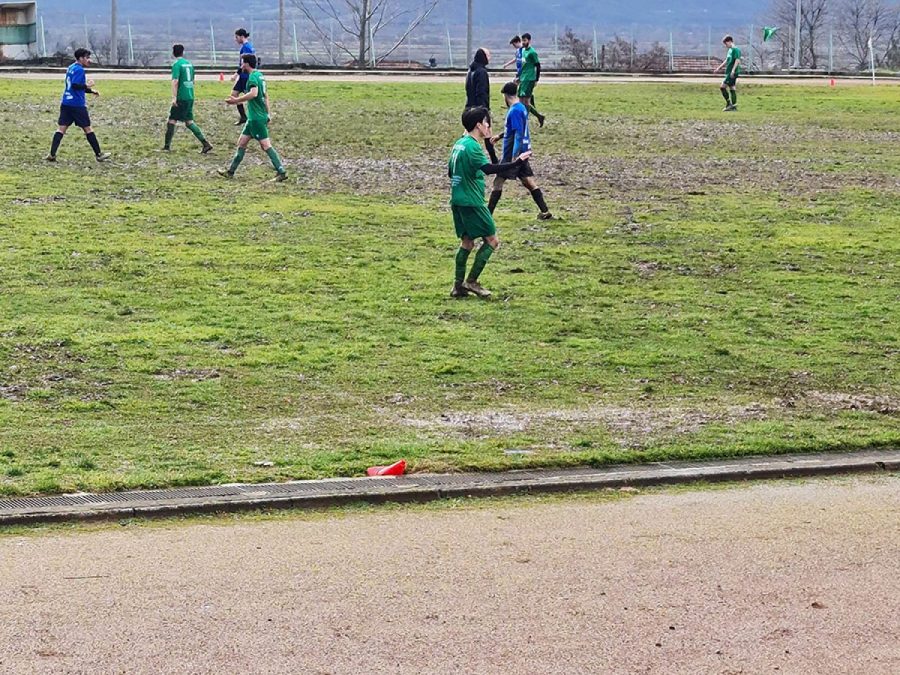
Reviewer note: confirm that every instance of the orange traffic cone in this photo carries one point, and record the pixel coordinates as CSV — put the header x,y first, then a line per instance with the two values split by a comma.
x,y
395,469
221,77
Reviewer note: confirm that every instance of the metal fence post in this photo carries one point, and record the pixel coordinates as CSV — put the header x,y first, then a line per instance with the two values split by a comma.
x,y
212,41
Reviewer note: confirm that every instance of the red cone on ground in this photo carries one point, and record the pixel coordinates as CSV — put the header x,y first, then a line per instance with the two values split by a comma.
x,y
832,81
395,469
221,77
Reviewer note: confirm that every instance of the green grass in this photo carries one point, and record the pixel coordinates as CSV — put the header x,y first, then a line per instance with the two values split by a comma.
x,y
716,285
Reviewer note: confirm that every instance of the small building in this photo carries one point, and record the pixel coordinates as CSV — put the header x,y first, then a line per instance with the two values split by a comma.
x,y
18,29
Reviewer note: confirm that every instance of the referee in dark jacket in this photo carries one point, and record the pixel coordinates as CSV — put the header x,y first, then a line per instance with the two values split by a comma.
x,y
478,90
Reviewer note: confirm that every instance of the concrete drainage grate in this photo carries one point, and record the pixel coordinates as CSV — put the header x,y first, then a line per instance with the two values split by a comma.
x,y
423,487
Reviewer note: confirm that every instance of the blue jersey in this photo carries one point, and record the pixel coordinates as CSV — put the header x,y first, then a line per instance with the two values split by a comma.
x,y
519,60
72,96
246,48
517,139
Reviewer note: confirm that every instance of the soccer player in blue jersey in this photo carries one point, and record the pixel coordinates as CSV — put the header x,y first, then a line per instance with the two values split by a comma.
x,y
517,140
516,43
73,108
242,38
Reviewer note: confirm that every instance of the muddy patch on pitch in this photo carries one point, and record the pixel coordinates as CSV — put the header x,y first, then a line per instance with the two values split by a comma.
x,y
630,427
576,182
882,404
637,427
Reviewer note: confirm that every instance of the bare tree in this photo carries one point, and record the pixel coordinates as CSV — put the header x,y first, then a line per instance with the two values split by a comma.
x,y
654,59
362,20
579,54
617,54
813,19
860,20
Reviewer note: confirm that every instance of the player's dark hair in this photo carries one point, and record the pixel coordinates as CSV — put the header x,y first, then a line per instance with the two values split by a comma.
x,y
242,32
510,89
81,52
177,50
249,59
727,38
526,36
515,39
472,116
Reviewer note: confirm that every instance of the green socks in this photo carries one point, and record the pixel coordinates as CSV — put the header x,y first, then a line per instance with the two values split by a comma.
x,y
734,97
276,160
725,95
196,131
238,158
533,111
481,258
462,257
170,134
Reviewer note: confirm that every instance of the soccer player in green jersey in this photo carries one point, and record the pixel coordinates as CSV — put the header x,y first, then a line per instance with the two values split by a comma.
x,y
466,170
529,75
256,97
732,66
183,100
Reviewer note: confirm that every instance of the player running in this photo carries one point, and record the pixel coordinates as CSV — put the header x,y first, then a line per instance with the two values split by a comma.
x,y
256,97
73,109
732,66
183,100
529,75
242,38
517,141
466,169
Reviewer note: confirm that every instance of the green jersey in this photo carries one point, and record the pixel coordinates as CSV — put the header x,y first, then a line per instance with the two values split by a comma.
x,y
733,55
183,72
466,178
256,107
529,65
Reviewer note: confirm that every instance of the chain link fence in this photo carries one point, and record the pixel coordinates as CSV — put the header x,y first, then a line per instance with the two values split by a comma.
x,y
146,42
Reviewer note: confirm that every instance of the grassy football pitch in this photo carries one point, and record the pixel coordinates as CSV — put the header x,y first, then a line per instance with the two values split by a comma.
x,y
714,285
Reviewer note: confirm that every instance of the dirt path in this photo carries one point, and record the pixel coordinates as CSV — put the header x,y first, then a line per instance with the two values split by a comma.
x,y
790,577
431,78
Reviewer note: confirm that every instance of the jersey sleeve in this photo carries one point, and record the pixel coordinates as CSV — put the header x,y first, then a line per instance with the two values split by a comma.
x,y
175,71
78,76
254,81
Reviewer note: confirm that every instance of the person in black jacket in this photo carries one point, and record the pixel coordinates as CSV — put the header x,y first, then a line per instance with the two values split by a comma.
x,y
478,90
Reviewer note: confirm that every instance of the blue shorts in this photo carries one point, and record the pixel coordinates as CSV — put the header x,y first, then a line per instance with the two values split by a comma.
x,y
74,114
241,83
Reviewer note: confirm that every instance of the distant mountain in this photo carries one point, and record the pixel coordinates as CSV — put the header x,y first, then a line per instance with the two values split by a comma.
x,y
489,14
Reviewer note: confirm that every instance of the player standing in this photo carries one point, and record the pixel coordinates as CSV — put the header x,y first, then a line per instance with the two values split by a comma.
x,y
257,125
478,90
466,170
516,43
732,66
73,109
183,100
517,141
529,75
242,38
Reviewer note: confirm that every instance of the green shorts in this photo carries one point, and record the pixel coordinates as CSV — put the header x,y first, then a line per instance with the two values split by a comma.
x,y
256,129
730,80
183,111
473,221
526,88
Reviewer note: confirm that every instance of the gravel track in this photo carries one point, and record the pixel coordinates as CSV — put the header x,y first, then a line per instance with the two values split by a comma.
x,y
796,577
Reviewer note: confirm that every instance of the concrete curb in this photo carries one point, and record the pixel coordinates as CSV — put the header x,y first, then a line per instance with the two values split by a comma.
x,y
427,487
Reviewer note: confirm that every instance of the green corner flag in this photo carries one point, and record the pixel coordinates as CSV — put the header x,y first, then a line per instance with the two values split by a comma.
x,y
768,33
